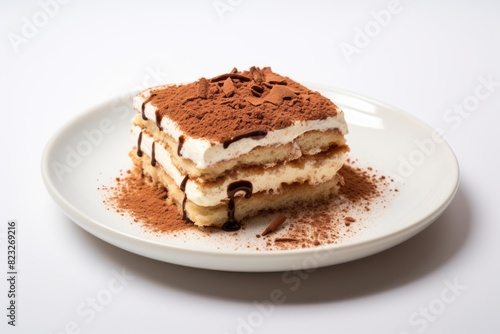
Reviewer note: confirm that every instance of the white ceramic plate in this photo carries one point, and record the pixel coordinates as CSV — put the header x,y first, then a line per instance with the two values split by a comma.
x,y
93,148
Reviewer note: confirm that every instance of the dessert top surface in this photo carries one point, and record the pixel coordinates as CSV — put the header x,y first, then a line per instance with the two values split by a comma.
x,y
236,103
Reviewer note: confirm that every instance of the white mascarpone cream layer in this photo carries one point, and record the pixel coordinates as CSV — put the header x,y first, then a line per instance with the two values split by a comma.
x,y
270,180
205,153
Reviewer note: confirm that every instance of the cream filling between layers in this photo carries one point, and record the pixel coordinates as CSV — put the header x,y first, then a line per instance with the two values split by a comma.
x,y
205,153
210,194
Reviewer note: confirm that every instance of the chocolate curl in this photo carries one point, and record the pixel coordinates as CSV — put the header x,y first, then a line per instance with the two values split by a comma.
x,y
280,219
234,76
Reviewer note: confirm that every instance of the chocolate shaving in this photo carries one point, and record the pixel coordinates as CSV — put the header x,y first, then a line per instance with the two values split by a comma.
x,y
230,75
280,219
228,88
273,78
256,74
278,94
285,240
349,220
257,90
203,88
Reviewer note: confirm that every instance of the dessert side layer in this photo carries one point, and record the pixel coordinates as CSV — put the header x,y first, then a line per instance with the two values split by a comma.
x,y
290,195
311,169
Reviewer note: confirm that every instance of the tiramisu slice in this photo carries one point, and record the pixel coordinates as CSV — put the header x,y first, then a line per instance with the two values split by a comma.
x,y
229,147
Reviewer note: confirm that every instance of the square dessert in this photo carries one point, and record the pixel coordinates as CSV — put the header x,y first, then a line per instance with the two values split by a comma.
x,y
230,147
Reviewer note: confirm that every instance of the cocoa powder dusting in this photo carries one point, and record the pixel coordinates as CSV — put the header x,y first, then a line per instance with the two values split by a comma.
x,y
146,203
235,102
359,184
330,222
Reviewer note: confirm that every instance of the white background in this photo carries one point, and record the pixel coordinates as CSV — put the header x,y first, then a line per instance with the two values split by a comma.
x,y
428,57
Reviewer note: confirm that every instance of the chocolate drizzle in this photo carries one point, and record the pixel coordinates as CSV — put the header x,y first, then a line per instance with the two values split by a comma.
x,y
257,134
139,141
231,224
158,121
153,158
180,144
143,113
183,189
183,183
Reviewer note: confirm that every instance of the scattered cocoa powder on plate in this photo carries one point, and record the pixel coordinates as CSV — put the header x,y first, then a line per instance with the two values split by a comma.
x,y
329,222
144,202
359,184
300,227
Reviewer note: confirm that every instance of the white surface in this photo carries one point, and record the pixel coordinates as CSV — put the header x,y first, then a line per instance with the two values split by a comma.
x,y
429,60
92,148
